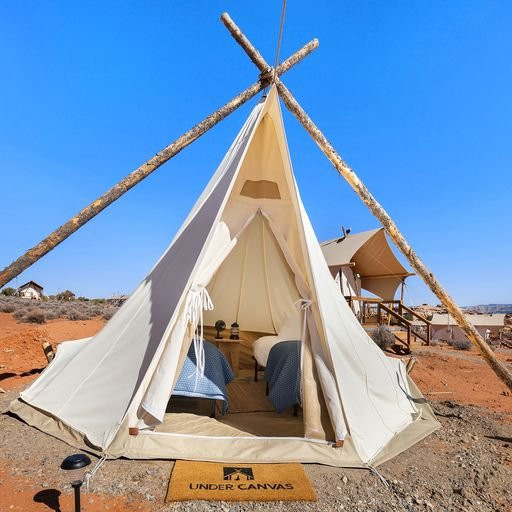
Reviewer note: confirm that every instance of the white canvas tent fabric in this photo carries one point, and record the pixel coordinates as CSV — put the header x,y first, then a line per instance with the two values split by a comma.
x,y
249,242
369,255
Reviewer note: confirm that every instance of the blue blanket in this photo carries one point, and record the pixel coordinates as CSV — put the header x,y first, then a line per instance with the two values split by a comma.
x,y
212,385
283,374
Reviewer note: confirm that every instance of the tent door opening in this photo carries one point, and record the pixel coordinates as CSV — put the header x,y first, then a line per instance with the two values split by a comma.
x,y
255,287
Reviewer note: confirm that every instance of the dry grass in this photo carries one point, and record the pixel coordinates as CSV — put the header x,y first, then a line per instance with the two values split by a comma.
x,y
383,337
460,344
40,311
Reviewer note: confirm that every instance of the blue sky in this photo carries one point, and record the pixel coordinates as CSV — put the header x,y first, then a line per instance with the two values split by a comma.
x,y
416,96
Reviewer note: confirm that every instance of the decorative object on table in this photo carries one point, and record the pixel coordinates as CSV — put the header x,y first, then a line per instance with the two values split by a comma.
x,y
235,331
76,465
220,325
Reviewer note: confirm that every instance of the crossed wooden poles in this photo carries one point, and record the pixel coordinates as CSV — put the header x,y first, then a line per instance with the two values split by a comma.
x,y
267,76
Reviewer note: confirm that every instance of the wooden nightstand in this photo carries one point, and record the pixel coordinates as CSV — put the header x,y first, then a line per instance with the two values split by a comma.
x,y
231,350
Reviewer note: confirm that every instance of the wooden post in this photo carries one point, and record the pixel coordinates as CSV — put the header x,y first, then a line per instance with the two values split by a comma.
x,y
392,230
364,194
89,212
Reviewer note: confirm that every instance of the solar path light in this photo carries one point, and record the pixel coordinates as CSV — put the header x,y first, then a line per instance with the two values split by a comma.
x,y
76,465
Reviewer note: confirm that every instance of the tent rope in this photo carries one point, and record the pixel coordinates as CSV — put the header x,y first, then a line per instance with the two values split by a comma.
x,y
382,479
302,305
90,474
200,301
283,12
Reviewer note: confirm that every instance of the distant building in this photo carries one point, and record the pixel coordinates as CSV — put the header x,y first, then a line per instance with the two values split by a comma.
x,y
117,300
30,290
364,261
444,327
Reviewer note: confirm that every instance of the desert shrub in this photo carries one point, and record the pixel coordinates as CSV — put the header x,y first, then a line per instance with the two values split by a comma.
x,y
461,344
96,311
53,309
383,337
19,314
77,315
7,308
65,295
8,292
36,316
109,313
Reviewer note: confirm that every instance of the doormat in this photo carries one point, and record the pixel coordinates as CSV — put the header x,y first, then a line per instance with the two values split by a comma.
x,y
214,481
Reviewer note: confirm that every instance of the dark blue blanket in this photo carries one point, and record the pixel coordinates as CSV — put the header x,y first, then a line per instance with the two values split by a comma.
x,y
217,373
283,375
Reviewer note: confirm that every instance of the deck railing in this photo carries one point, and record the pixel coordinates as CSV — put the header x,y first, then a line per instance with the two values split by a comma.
x,y
393,312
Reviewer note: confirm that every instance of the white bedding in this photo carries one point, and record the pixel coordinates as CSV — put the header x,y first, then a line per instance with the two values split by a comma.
x,y
290,330
262,346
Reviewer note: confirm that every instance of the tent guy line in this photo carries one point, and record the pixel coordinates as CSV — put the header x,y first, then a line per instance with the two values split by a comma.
x,y
373,205
89,212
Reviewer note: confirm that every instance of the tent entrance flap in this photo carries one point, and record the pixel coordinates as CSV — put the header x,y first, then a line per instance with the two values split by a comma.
x,y
253,286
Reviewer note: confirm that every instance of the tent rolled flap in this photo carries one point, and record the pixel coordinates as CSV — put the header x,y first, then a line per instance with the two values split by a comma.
x,y
256,255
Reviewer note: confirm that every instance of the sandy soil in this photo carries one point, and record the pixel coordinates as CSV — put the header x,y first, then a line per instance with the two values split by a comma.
x,y
466,465
21,355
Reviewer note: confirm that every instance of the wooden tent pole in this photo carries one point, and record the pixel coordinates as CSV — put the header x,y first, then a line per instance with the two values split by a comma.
x,y
391,229
114,193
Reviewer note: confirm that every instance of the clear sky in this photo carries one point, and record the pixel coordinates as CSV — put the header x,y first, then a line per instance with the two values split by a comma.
x,y
416,96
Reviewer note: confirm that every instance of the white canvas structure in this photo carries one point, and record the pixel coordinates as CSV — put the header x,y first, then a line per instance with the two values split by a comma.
x,y
444,327
249,247
365,260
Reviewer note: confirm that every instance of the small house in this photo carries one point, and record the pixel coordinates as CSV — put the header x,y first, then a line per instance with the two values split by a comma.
x,y
444,327
30,290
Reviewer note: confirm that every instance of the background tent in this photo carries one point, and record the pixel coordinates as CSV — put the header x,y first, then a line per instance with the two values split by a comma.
x,y
365,260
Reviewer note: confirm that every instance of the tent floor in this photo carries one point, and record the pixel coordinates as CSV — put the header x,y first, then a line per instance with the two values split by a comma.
x,y
249,414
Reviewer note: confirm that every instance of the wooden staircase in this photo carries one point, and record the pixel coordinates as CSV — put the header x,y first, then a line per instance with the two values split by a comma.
x,y
402,321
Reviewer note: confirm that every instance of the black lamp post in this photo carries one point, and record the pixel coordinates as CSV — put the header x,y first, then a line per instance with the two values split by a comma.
x,y
76,464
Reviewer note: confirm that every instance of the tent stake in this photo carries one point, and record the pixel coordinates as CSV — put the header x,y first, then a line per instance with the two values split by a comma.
x,y
114,193
378,211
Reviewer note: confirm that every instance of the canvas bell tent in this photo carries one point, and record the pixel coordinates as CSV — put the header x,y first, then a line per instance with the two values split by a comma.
x,y
365,261
246,252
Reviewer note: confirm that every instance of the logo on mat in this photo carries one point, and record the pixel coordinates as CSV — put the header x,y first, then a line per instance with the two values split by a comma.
x,y
238,473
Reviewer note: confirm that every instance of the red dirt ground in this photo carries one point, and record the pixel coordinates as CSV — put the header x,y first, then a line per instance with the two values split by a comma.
x,y
441,374
21,355
28,497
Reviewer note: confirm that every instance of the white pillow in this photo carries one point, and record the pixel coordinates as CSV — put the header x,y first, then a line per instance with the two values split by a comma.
x,y
261,348
291,329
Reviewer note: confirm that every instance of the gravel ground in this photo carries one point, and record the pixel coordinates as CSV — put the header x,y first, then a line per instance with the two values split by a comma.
x,y
465,466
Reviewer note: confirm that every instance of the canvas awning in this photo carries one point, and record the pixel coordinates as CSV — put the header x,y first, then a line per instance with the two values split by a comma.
x,y
369,255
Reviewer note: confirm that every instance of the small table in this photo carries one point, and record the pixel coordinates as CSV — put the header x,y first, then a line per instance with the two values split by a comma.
x,y
231,350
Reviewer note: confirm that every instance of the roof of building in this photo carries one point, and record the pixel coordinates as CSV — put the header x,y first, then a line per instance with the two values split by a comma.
x,y
30,283
492,320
